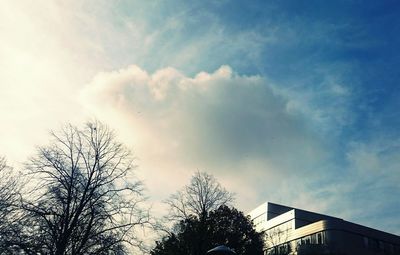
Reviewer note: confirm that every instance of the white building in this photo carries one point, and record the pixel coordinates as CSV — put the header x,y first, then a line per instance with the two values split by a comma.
x,y
294,231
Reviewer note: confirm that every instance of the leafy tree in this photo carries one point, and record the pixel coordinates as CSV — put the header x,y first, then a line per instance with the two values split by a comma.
x,y
84,201
202,195
223,226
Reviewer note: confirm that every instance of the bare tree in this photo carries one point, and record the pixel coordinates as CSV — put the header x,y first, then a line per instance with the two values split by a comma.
x,y
85,201
276,241
9,205
202,195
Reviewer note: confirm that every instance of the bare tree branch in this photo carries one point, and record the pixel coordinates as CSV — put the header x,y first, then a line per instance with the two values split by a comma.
x,y
10,216
202,195
86,204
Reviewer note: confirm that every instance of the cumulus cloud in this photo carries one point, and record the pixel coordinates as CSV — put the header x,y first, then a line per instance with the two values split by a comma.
x,y
245,131
232,125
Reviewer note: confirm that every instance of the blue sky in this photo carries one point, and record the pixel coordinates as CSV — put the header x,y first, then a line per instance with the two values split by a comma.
x,y
294,102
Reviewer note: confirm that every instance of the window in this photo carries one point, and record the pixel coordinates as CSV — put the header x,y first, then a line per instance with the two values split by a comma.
x,y
381,247
373,244
313,238
396,249
366,241
298,243
388,249
319,238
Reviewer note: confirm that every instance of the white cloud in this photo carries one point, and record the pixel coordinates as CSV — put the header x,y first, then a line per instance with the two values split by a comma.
x,y
238,128
222,122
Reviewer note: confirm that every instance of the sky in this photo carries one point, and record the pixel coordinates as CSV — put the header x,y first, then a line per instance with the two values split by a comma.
x,y
293,102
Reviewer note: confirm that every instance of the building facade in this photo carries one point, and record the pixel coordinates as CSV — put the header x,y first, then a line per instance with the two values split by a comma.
x,y
294,231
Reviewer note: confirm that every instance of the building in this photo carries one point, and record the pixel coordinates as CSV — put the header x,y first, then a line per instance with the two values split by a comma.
x,y
294,231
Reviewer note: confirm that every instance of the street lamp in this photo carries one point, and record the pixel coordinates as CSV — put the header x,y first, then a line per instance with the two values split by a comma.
x,y
221,250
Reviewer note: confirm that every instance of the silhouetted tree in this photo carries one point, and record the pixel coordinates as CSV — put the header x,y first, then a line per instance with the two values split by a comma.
x,y
223,226
10,216
202,195
85,201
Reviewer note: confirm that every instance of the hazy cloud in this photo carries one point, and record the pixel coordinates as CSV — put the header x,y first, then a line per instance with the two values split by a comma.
x,y
263,142
222,122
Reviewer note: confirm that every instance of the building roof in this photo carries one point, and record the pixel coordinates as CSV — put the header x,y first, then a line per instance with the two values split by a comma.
x,y
269,215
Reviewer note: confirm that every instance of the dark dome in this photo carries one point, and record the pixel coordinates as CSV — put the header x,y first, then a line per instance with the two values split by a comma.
x,y
221,250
